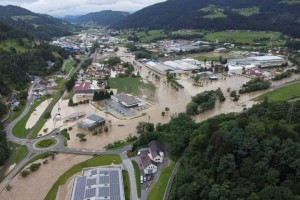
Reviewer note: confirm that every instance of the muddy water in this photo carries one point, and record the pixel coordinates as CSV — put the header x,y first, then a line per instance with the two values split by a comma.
x,y
37,113
164,96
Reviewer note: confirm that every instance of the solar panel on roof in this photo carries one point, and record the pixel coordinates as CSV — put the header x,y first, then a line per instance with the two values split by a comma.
x,y
90,193
91,182
103,179
103,191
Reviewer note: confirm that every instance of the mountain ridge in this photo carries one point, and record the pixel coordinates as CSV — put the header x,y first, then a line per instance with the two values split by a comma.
x,y
104,17
40,26
272,15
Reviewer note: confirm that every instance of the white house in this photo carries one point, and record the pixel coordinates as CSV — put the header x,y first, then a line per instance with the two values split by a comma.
x,y
149,166
156,151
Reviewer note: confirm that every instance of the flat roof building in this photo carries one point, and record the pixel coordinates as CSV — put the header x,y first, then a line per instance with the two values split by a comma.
x,y
103,183
125,100
91,122
236,65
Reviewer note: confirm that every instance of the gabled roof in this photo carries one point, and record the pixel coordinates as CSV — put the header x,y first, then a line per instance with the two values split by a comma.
x,y
146,161
155,147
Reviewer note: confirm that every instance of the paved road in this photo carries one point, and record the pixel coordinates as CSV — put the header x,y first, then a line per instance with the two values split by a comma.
x,y
126,162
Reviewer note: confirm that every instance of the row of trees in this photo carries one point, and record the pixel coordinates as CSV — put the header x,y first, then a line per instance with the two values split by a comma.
x,y
101,95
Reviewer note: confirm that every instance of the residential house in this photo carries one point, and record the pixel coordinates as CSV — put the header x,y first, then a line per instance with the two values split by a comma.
x,y
148,165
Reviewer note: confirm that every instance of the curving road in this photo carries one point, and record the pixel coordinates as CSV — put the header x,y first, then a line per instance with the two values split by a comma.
x,y
58,147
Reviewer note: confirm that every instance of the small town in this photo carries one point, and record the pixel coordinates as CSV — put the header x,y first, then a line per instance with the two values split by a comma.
x,y
106,108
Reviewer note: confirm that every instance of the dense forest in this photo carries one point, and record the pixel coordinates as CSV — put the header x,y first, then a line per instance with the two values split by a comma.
x,y
249,155
36,25
275,15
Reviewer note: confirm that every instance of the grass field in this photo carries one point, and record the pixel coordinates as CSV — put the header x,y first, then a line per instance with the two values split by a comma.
x,y
135,86
241,36
93,162
17,113
46,143
137,177
69,95
248,11
282,94
157,193
126,184
69,66
8,44
215,15
19,129
23,151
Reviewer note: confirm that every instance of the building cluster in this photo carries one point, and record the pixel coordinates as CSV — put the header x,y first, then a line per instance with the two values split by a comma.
x,y
238,65
151,158
91,122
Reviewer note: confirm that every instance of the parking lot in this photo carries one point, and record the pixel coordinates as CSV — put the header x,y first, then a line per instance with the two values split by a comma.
x,y
121,111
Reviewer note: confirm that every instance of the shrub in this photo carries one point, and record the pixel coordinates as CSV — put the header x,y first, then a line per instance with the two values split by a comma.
x,y
24,173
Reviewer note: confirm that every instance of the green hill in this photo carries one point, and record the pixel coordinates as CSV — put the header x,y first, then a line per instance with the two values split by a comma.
x,y
37,25
271,15
104,18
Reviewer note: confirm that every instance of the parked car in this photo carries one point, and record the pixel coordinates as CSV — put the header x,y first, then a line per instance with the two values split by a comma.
x,y
145,179
142,180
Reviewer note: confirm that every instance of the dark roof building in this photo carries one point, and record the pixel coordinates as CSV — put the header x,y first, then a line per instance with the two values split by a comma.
x,y
149,166
156,151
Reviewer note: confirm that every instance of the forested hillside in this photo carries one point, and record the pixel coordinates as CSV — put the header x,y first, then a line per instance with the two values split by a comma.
x,y
103,18
21,56
276,15
37,25
251,155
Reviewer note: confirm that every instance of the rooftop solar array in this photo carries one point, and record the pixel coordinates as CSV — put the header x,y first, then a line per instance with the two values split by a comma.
x,y
99,184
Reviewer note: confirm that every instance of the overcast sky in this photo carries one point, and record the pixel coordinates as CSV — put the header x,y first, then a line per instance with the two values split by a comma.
x,y
77,7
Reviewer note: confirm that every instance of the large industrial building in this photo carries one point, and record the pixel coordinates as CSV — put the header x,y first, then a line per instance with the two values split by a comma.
x,y
91,122
176,66
237,65
99,184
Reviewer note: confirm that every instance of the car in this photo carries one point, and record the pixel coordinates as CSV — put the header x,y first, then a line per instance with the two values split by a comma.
x,y
142,180
149,178
145,179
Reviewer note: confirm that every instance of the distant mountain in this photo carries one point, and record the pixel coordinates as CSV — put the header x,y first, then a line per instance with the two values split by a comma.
x,y
37,25
277,15
104,18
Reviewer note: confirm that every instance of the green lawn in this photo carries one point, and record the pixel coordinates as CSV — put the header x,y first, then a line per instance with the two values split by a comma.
x,y
282,94
93,162
23,151
135,86
17,113
137,177
69,66
69,95
126,184
19,129
241,36
46,143
157,193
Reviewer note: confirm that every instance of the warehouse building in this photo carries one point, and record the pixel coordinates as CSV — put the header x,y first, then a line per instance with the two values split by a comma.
x,y
91,122
99,184
237,65
177,66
